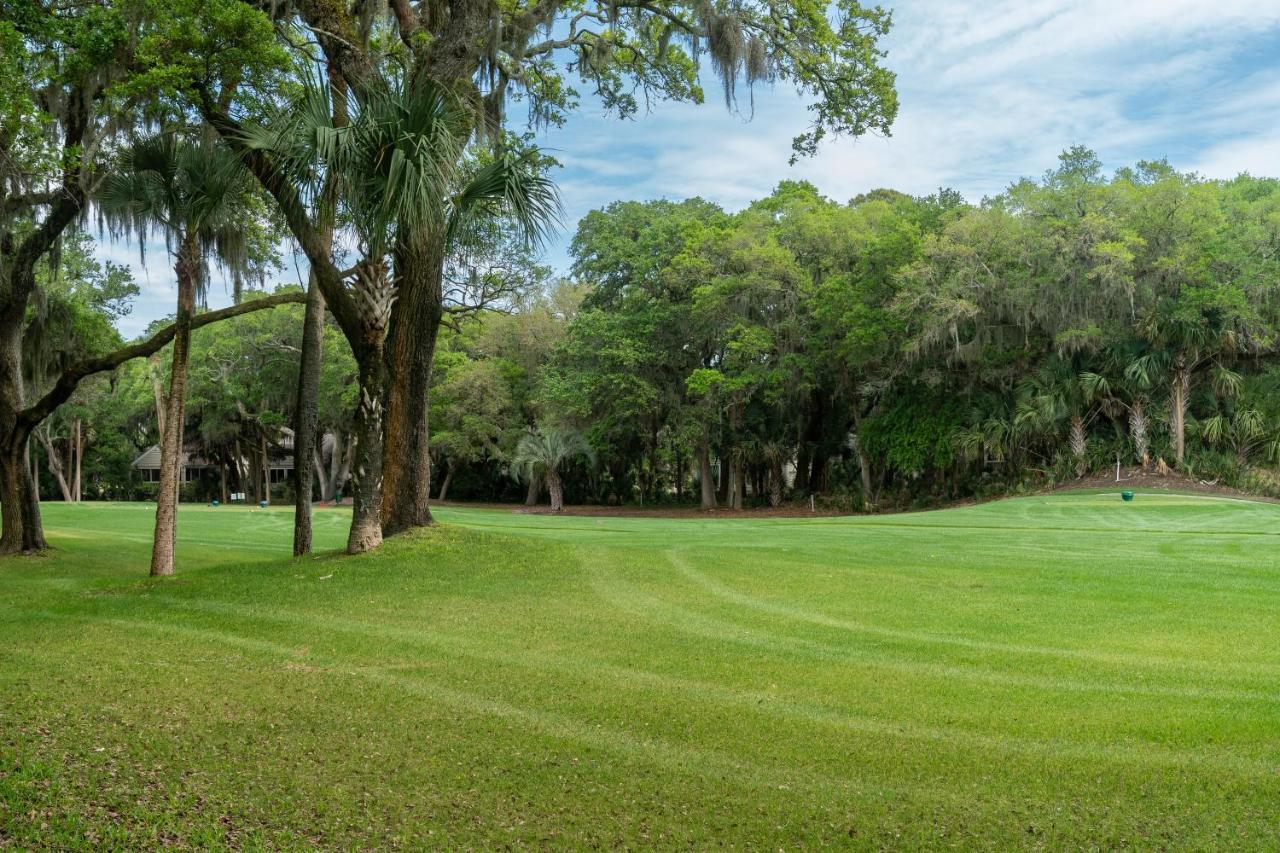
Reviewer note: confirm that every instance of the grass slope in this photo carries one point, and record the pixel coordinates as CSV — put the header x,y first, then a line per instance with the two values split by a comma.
x,y
1044,672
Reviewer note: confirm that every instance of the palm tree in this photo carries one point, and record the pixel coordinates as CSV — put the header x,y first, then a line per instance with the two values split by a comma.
x,y
194,193
1055,396
543,451
398,156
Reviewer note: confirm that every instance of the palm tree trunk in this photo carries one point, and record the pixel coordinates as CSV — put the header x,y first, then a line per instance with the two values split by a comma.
x,y
1079,444
1179,397
166,532
1138,429
306,418
776,482
377,295
556,487
706,481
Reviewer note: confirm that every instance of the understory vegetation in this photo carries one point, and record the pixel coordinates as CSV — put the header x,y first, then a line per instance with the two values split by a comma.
x,y
1069,671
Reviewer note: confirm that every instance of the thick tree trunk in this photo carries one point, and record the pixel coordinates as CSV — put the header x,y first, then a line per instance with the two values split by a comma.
x,y
376,296
306,418
706,481
738,488
166,532
535,488
444,486
556,487
411,343
366,478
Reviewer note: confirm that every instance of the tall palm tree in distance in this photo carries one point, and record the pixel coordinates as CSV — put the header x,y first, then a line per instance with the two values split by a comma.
x,y
193,192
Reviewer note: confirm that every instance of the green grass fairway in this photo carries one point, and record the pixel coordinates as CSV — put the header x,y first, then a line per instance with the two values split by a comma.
x,y
1044,672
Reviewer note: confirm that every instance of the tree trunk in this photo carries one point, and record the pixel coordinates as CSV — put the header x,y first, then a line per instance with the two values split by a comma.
x,y
223,492
166,532
556,487
1138,429
864,461
19,502
376,294
706,481
1179,397
54,463
306,418
79,442
444,487
1079,444
410,347
738,487
535,488
266,467
722,488
332,484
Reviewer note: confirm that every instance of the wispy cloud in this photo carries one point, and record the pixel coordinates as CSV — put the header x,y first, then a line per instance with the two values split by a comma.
x,y
991,91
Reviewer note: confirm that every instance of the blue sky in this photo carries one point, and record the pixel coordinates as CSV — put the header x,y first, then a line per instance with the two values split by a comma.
x,y
990,90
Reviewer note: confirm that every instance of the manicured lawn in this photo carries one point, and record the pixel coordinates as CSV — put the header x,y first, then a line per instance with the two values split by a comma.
x,y
1042,672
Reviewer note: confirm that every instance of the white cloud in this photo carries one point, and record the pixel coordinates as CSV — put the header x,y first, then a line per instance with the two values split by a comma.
x,y
991,91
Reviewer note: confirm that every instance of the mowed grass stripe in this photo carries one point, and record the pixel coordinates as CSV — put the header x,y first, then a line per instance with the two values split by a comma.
x,y
521,680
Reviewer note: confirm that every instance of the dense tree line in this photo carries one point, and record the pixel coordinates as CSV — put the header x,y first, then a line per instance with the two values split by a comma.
x,y
882,352
894,350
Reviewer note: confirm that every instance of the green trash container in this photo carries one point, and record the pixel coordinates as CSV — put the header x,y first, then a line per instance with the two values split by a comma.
x,y
262,504
1126,496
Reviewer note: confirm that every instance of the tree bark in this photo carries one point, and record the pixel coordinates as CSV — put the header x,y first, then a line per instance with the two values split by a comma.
x,y
1079,444
535,488
54,463
706,481
306,418
166,531
444,486
79,443
376,294
739,485
556,487
1179,397
864,461
411,342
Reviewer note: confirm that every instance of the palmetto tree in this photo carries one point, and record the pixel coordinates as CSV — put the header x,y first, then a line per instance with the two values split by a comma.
x,y
542,452
1056,398
397,158
194,193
